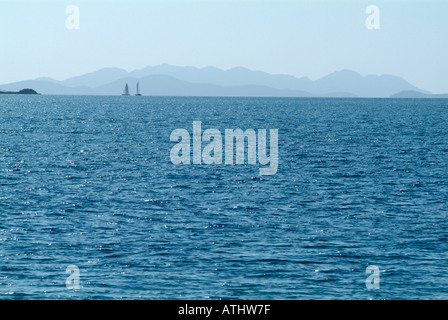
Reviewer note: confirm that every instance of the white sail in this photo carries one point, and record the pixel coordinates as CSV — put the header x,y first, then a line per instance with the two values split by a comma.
x,y
126,90
138,89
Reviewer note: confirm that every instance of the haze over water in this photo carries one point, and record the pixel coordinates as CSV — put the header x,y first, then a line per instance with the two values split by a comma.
x,y
88,181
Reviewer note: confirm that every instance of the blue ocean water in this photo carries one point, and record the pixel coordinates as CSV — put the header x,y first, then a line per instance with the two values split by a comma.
x,y
88,181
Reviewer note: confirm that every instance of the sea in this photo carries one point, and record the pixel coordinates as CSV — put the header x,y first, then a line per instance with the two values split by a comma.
x,y
92,207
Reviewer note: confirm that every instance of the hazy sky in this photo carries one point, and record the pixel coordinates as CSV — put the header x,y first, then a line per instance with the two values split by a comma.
x,y
302,38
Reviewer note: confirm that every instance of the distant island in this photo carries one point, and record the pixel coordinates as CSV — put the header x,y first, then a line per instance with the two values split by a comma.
x,y
416,94
23,91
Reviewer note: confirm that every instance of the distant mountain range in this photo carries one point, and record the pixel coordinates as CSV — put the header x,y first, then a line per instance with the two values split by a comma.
x,y
170,80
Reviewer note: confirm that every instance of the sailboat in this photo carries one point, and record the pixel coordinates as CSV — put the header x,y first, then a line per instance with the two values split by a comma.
x,y
126,90
138,94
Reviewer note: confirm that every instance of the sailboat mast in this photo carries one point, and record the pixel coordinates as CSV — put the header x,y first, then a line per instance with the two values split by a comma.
x,y
138,94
